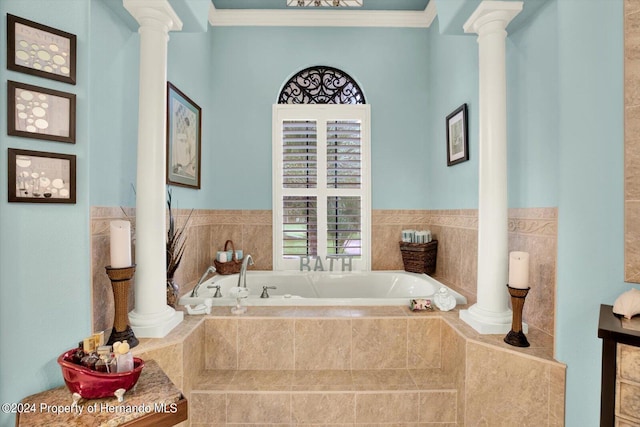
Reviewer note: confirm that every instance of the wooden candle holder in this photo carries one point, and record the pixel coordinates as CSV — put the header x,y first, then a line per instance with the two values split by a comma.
x,y
120,282
516,337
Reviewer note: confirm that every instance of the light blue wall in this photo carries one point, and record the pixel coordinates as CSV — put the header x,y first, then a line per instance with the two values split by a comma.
x,y
590,198
44,249
532,111
453,63
114,58
249,67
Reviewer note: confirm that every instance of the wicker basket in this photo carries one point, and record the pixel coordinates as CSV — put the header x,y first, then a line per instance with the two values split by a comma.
x,y
229,267
419,257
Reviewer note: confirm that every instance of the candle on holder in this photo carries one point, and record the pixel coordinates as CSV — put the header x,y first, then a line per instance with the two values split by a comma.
x,y
519,270
120,244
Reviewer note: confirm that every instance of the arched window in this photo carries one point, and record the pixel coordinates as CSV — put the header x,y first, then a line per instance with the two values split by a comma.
x,y
321,172
321,85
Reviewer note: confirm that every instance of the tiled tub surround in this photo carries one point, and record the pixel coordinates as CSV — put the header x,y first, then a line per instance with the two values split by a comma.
x,y
364,366
533,230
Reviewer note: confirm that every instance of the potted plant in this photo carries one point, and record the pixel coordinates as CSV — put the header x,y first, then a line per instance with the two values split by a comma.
x,y
176,244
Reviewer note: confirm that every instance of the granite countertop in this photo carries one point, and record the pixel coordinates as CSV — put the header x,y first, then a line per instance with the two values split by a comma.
x,y
153,393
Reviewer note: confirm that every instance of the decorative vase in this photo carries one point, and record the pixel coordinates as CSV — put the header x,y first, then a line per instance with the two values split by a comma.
x,y
172,293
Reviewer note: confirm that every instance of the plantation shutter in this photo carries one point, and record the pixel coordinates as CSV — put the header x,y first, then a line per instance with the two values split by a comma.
x,y
321,192
299,171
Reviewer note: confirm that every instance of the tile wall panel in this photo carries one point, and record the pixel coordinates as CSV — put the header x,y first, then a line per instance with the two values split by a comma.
x,y
533,230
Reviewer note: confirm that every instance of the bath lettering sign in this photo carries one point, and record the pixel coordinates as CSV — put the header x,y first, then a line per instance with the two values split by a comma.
x,y
305,263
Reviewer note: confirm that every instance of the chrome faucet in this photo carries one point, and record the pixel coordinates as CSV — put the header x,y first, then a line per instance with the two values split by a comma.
x,y
210,270
242,277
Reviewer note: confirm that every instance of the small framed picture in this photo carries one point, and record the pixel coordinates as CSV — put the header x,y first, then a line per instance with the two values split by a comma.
x,y
457,136
184,124
40,177
39,50
37,112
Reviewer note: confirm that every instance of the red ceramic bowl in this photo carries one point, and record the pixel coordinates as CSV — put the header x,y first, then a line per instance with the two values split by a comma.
x,y
92,384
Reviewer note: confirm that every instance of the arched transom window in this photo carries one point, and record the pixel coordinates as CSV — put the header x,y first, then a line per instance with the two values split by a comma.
x,y
321,85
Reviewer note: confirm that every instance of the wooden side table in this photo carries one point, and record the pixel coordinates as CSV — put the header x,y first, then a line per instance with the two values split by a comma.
x,y
613,337
153,401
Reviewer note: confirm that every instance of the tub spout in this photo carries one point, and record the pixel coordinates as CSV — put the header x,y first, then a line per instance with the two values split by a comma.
x,y
210,270
242,277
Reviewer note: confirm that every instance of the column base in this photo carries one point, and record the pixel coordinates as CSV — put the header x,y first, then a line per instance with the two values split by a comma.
x,y
486,323
156,325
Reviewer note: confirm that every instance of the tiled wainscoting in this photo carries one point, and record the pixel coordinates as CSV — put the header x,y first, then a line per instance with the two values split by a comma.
x,y
533,230
356,366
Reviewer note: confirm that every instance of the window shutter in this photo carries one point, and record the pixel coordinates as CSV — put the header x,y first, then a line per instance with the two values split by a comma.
x,y
321,184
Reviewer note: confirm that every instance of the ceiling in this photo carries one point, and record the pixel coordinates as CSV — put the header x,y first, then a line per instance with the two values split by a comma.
x,y
199,15
282,4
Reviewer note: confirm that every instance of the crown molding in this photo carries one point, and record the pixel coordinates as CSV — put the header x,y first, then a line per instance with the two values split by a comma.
x,y
321,18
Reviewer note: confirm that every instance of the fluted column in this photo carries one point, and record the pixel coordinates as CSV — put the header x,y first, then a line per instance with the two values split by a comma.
x,y
491,313
151,316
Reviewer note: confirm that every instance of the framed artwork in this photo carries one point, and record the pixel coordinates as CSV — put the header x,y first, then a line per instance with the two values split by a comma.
x,y
37,112
457,136
39,177
184,125
39,50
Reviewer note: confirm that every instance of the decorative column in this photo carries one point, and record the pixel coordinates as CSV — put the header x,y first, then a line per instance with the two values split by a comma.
x,y
152,317
491,313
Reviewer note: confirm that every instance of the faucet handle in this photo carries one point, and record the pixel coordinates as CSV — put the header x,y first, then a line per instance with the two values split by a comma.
x,y
218,294
265,293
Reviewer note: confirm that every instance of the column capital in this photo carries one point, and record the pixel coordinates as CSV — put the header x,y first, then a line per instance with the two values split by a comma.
x,y
147,12
490,11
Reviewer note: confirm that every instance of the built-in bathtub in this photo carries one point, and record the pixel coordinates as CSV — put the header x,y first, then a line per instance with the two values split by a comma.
x,y
323,288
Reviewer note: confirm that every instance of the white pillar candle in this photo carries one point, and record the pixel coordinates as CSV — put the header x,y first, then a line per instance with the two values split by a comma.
x,y
120,244
519,270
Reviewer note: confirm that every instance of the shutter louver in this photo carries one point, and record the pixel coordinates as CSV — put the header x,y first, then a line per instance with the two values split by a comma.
x,y
300,225
344,225
299,154
344,154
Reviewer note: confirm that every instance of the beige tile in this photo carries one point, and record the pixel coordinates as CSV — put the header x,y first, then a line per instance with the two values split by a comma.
x,y
385,252
213,379
169,359
387,407
629,362
631,6
632,167
383,379
424,346
378,311
557,386
258,408
322,344
438,406
629,401
192,358
329,378
265,344
221,343
323,408
325,312
433,379
263,380
632,241
499,381
379,343
258,241
207,408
